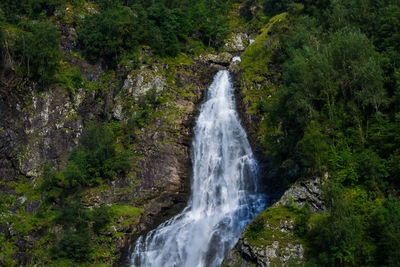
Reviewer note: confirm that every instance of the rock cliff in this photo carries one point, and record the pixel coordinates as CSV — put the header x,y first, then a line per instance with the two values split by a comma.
x,y
41,125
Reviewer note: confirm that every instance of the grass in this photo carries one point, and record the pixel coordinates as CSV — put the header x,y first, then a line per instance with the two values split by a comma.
x,y
266,227
124,210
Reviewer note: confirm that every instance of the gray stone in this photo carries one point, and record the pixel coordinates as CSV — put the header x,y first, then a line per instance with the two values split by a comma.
x,y
236,43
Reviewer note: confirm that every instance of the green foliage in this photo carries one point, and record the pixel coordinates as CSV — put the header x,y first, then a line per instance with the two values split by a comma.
x,y
73,245
255,227
333,109
31,8
339,84
102,217
51,183
340,237
312,148
95,161
121,26
109,33
265,229
302,221
7,251
386,231
37,49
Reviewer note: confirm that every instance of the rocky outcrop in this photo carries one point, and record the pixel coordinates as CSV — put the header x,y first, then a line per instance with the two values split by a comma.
x,y
139,82
305,191
270,240
38,128
237,42
223,59
45,125
246,255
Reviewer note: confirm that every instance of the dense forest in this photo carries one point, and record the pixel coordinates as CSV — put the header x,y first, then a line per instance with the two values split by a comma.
x,y
111,34
333,111
336,111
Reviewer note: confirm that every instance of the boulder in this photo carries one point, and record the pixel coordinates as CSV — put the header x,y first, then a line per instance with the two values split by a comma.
x,y
236,43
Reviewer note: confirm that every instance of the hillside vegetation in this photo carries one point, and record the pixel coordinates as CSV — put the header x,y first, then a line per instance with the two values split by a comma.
x,y
322,77
330,82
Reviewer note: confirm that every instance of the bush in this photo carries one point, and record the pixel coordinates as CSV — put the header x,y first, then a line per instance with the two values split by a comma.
x,y
95,161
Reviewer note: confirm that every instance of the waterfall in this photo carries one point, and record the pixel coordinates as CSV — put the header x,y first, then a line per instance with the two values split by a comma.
x,y
224,194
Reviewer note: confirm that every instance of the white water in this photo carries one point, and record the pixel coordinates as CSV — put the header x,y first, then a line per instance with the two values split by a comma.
x,y
223,194
237,58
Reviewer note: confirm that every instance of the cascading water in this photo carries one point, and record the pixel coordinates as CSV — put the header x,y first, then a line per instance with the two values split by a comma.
x,y
223,195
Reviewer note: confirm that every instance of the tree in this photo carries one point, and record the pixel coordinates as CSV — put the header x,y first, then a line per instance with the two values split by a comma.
x,y
109,34
312,149
37,49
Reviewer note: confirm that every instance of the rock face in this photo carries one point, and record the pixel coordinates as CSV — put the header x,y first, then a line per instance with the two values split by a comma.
x,y
37,128
140,82
45,125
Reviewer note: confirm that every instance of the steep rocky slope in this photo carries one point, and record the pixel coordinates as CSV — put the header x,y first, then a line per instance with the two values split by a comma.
x,y
41,125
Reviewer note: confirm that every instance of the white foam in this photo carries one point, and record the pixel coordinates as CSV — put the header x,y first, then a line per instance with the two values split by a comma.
x,y
223,194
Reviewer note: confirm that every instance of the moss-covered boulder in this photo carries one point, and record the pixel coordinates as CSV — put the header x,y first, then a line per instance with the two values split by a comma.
x,y
269,240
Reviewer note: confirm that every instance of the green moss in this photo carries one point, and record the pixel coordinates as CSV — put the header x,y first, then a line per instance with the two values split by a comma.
x,y
180,59
266,228
259,79
124,210
261,75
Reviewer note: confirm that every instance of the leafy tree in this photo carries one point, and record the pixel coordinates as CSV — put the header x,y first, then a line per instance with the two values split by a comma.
x,y
74,245
37,49
313,149
385,228
109,33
